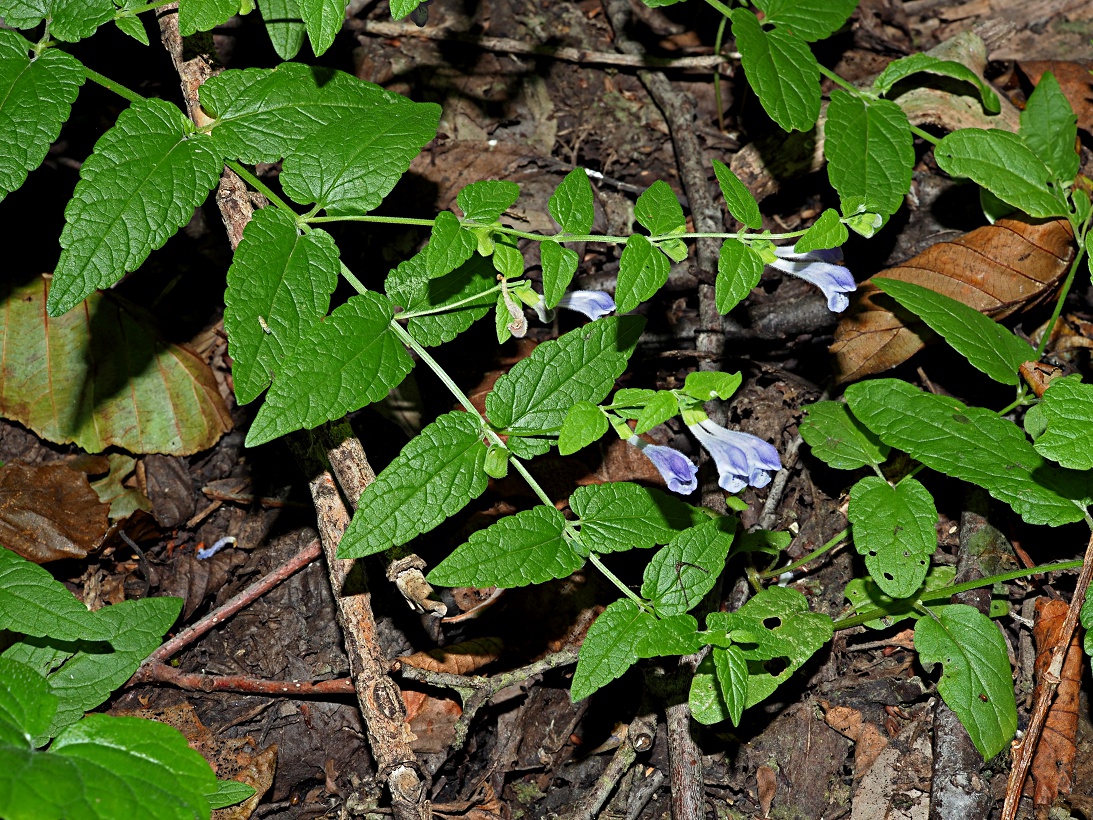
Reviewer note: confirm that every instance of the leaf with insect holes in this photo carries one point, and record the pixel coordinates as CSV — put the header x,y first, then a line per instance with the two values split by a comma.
x,y
677,635
484,201
643,270
202,15
898,70
35,100
323,20
1068,414
360,361
739,269
738,199
868,599
584,423
69,20
826,232
609,648
526,548
658,210
1049,127
679,574
619,516
782,70
571,204
894,528
559,265
435,476
808,19
411,287
839,439
449,245
976,681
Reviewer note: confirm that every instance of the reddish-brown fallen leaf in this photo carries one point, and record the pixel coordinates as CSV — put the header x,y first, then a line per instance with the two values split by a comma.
x,y
1074,80
49,512
1052,767
998,269
457,659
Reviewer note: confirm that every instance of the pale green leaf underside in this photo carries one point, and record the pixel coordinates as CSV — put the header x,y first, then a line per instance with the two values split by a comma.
x,y
584,423
738,199
1068,410
781,69
643,270
894,528
571,204
839,439
323,20
609,649
140,185
350,359
202,15
900,69
285,26
33,603
868,599
687,568
739,269
70,20
411,287
434,477
619,516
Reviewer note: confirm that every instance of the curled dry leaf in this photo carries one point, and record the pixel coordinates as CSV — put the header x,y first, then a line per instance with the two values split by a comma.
x,y
458,659
1053,763
999,269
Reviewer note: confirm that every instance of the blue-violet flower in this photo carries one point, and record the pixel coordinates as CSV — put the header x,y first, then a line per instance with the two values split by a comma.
x,y
592,303
741,458
678,471
819,268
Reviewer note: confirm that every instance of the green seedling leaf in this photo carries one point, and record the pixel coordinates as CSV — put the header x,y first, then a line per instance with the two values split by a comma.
x,y
976,682
411,286
584,423
766,541
69,20
323,20
34,604
571,204
708,385
739,269
582,365
449,245
1002,163
507,259
35,100
970,443
142,183
839,439
619,516
609,649
738,199
866,597
894,528
674,249
559,265
349,360
732,679
987,345
661,407
352,164
782,70
486,200
285,26
658,210
826,232
898,70
279,287
1068,413
434,477
403,8
202,15
26,704
1049,127
526,548
677,635
809,19
643,270
262,114
680,574
870,153
101,376
228,793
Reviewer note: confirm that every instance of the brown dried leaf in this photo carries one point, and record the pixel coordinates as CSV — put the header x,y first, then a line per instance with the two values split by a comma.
x,y
1053,763
49,512
999,269
457,659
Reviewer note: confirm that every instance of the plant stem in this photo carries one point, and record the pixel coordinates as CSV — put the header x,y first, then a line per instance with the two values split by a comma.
x,y
610,576
352,279
386,220
1080,234
926,135
812,556
259,186
109,84
433,365
717,74
721,7
413,314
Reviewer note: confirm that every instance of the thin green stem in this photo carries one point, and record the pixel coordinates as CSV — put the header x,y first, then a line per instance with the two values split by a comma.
x,y
717,74
812,556
259,186
413,314
109,84
839,81
721,7
441,374
1080,234
385,220
530,479
610,576
926,135
1022,393
133,12
352,279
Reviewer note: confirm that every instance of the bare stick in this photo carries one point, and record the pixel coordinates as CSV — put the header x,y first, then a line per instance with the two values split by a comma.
x,y
198,682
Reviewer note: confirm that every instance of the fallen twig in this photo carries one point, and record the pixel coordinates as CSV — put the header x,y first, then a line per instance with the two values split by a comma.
x,y
201,682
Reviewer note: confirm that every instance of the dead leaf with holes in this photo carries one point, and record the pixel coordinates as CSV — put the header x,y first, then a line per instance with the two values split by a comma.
x,y
1000,270
1052,767
49,512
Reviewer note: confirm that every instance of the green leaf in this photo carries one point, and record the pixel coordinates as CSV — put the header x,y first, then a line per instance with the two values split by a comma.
x,y
1068,410
69,20
571,204
581,365
738,199
987,345
1049,127
26,704
708,385
894,528
770,542
507,259
323,20
279,287
142,183
679,574
403,8
781,69
870,153
658,210
35,100
705,700
497,461
808,19
584,423
677,635
228,793
449,245
1086,617
739,269
202,15
732,679
350,359
559,265
839,439
976,683
526,548
643,270
434,477
609,647
133,27
898,70
285,26
826,232
1002,163
262,114
970,443
486,200
660,408
411,287
867,598
352,164
32,603
619,516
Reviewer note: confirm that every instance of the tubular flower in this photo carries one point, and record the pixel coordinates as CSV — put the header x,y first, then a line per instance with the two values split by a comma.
x,y
819,268
741,458
678,471
592,303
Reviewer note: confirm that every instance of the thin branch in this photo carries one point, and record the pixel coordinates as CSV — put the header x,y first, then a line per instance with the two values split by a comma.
x,y
198,682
